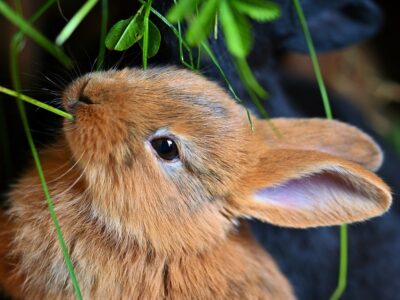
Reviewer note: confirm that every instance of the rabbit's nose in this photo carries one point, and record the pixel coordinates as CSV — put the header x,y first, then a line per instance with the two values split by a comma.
x,y
81,99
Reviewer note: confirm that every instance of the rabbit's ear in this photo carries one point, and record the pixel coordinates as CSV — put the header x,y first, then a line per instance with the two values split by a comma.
x,y
301,188
332,137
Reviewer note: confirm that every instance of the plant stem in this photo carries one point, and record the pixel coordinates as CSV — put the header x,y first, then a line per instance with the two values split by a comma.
x,y
342,278
103,32
38,103
211,55
343,265
17,86
248,78
25,27
146,34
178,34
314,58
74,22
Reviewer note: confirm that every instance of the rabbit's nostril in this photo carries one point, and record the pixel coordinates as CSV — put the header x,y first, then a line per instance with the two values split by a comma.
x,y
85,99
73,104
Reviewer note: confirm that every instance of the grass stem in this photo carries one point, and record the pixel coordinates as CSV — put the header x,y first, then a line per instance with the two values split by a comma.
x,y
146,34
314,59
30,31
103,33
70,27
14,65
38,103
343,259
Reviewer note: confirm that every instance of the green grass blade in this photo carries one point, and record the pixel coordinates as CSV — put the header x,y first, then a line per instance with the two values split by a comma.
x,y
343,265
314,59
146,34
154,40
49,201
198,57
38,103
41,10
18,6
342,278
103,32
17,86
248,78
181,41
19,35
178,34
211,55
30,31
75,21
15,40
181,55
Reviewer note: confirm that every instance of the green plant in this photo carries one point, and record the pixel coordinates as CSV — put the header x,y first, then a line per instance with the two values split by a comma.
x,y
234,18
137,28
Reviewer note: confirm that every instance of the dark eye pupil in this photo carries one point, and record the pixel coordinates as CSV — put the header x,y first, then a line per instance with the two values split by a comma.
x,y
166,148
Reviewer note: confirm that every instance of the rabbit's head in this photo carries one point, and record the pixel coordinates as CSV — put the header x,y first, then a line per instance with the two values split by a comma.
x,y
170,161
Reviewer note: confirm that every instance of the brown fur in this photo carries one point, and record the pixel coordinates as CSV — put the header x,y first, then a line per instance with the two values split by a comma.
x,y
138,227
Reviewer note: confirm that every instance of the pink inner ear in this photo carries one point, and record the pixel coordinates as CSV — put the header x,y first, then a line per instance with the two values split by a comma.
x,y
311,191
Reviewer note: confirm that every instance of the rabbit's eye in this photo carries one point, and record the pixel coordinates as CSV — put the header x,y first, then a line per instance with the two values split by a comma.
x,y
166,148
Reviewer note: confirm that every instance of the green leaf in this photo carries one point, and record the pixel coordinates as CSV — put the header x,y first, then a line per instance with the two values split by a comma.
x,y
259,10
125,33
30,31
237,31
203,23
180,10
154,40
75,21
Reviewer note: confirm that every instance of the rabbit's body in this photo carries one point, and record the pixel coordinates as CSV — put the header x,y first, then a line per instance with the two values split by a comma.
x,y
109,264
149,182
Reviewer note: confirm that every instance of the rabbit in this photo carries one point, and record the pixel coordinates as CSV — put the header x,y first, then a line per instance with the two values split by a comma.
x,y
154,179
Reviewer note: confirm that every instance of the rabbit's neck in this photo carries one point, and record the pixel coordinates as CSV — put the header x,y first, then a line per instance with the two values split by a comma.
x,y
237,268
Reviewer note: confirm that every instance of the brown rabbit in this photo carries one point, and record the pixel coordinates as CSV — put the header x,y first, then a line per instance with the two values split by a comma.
x,y
151,179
